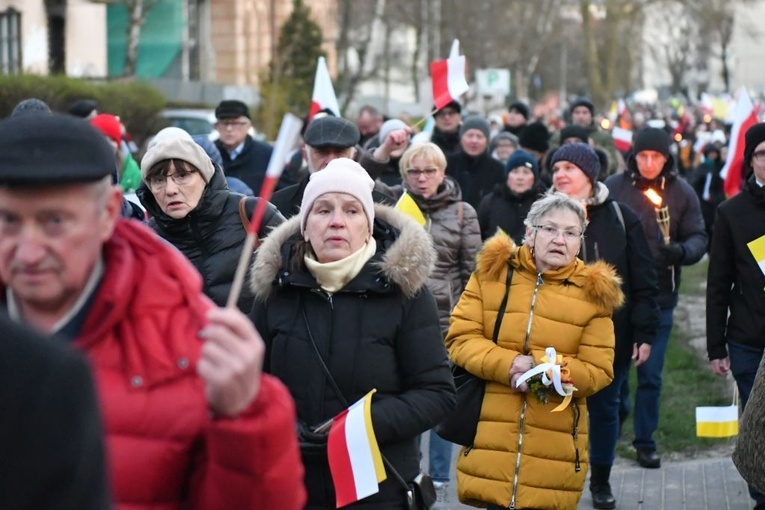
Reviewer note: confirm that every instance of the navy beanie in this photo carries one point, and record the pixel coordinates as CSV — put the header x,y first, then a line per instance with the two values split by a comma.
x,y
476,122
651,139
581,155
522,158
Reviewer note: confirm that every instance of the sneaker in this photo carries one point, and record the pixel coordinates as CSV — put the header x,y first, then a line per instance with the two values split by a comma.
x,y
442,496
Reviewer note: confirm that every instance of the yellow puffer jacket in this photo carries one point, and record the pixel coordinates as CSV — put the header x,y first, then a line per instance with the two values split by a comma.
x,y
524,455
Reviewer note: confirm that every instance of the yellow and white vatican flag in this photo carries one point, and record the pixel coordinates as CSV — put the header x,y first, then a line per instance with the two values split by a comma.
x,y
408,206
757,248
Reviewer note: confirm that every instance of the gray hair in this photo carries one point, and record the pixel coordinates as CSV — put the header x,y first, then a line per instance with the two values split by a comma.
x,y
552,201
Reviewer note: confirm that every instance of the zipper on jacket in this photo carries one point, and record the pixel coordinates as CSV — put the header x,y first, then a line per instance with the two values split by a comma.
x,y
539,283
575,435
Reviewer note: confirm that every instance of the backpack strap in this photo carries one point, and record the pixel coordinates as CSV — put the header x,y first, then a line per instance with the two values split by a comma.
x,y
619,214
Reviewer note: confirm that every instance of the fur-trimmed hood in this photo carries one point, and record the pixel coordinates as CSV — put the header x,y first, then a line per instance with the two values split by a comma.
x,y
598,279
405,254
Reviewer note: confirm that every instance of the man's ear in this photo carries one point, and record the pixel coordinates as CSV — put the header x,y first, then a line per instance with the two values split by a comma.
x,y
112,212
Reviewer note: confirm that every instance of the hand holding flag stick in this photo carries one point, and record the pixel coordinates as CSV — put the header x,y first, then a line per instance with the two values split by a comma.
x,y
285,141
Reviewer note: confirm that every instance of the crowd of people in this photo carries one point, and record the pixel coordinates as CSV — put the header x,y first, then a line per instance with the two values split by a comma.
x,y
525,244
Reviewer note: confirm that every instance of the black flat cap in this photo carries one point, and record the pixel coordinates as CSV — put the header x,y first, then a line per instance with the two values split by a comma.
x,y
331,132
42,150
231,109
83,108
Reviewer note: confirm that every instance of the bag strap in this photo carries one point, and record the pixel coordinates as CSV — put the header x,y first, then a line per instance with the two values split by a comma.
x,y
501,312
246,220
344,402
460,213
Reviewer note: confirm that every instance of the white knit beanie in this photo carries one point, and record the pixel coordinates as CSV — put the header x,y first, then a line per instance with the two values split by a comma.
x,y
181,148
341,175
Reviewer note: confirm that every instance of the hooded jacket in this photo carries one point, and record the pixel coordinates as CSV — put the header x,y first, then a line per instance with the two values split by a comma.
x,y
735,281
380,331
523,453
212,235
621,243
686,222
163,449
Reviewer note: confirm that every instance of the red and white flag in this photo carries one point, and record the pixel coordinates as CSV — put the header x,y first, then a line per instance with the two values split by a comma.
x,y
355,460
324,97
744,117
448,77
622,138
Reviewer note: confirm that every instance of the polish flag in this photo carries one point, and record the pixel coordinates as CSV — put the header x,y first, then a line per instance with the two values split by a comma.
x,y
324,97
354,457
744,117
622,138
448,77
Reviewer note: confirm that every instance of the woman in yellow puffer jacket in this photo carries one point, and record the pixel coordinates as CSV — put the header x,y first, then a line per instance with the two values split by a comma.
x,y
525,454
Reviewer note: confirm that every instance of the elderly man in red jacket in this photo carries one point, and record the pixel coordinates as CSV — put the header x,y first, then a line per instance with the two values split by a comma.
x,y
190,421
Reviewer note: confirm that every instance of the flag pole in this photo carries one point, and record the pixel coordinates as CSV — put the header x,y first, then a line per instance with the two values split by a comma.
x,y
423,120
285,141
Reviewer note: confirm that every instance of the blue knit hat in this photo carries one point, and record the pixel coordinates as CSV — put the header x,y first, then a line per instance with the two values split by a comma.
x,y
581,155
522,158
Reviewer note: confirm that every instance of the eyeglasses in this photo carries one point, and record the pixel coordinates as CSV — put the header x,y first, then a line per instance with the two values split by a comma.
x,y
553,233
415,173
179,178
232,123
446,112
759,156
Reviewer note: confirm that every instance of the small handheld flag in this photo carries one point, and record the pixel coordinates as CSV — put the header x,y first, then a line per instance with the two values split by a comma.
x,y
323,97
744,117
408,206
448,77
354,456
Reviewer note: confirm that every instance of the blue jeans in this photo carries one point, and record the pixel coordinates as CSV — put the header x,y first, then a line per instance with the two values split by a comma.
x,y
744,362
648,393
439,458
603,409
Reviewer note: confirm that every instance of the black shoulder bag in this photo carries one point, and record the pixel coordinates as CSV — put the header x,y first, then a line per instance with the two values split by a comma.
x,y
420,493
462,423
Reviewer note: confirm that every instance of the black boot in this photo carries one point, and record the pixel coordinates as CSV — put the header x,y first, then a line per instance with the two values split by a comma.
x,y
602,497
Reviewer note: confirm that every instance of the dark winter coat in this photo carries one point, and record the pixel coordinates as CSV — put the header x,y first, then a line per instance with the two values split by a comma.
x,y
622,243
380,331
212,235
735,282
447,142
476,176
506,209
686,222
250,165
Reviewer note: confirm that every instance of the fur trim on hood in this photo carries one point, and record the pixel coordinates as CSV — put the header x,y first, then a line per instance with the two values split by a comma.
x,y
407,262
598,279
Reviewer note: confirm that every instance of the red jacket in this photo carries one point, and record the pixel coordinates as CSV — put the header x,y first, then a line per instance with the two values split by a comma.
x,y
163,448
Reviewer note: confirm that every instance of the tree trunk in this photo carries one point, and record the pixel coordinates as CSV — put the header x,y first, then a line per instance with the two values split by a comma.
x,y
136,17
591,52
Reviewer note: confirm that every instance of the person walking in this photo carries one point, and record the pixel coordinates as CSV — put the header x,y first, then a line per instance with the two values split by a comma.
x,y
650,166
735,280
530,450
343,308
614,235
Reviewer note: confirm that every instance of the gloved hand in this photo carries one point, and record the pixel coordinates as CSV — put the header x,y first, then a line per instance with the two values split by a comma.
x,y
672,254
306,435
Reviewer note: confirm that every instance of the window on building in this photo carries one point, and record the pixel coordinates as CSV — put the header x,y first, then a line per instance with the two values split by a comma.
x,y
10,41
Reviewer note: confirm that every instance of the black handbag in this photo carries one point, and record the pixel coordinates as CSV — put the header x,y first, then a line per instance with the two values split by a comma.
x,y
462,423
420,492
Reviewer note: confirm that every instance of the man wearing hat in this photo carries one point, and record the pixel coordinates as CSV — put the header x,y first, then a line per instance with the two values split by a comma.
x,y
518,114
159,349
243,157
735,281
326,139
472,165
650,165
582,113
445,133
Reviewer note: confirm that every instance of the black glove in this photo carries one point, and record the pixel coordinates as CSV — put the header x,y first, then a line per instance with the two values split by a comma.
x,y
672,254
306,435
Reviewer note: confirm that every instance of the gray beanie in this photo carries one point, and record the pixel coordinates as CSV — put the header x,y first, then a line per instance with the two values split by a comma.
x,y
581,155
475,122
389,126
183,148
31,106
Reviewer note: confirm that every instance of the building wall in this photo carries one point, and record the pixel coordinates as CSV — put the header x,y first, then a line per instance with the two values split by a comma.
x,y
86,46
748,49
34,34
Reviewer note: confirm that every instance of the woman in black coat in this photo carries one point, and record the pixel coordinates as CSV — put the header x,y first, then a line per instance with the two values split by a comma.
x,y
342,286
191,207
507,206
614,235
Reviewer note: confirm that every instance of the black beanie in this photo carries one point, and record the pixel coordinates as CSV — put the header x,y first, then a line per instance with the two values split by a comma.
x,y
535,137
520,107
651,139
476,122
575,131
755,135
583,156
582,101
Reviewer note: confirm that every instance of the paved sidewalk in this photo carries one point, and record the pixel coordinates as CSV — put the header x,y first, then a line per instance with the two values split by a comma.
x,y
703,484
